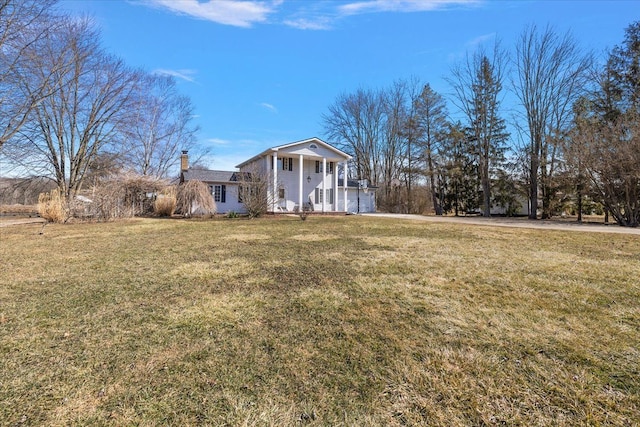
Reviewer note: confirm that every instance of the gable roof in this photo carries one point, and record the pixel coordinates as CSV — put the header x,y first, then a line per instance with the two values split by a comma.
x,y
277,148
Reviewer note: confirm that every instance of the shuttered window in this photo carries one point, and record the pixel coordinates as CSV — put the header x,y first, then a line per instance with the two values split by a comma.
x,y
287,164
220,193
318,195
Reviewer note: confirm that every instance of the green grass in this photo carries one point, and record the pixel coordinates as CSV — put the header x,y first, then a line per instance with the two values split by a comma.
x,y
330,321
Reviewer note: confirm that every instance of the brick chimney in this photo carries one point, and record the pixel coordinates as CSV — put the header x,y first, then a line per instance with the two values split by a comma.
x,y
184,161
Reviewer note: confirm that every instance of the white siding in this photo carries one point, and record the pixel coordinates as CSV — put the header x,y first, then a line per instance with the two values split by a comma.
x,y
367,201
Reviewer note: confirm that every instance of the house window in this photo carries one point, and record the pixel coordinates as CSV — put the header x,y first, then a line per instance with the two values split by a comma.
x,y
318,166
318,195
220,193
313,146
287,164
281,193
330,167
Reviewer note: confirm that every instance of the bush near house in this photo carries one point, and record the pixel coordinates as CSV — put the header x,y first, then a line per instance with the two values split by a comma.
x,y
165,202
194,198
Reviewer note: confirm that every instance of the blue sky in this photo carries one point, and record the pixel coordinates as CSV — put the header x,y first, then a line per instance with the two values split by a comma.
x,y
262,73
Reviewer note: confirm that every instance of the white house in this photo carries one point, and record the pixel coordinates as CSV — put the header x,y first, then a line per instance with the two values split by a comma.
x,y
302,174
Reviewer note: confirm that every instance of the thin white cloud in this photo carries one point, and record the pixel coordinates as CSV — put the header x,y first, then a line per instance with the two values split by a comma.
x,y
227,12
306,15
187,75
480,40
218,141
269,107
372,6
322,23
471,46
323,15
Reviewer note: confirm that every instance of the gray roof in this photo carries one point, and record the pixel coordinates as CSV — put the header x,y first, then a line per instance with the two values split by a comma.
x,y
353,183
206,175
304,141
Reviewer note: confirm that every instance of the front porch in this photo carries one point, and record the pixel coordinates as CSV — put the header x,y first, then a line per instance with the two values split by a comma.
x,y
303,174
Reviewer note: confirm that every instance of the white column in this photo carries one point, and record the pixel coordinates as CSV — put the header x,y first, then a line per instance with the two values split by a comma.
x,y
301,183
335,186
275,182
344,187
324,183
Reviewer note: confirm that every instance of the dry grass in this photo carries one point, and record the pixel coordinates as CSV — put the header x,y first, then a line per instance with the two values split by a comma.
x,y
330,321
165,203
52,206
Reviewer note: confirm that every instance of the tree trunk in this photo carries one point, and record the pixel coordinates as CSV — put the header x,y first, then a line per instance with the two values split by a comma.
x,y
533,185
486,187
579,194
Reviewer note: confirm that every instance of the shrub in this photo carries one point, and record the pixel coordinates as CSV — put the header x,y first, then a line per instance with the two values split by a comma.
x,y
124,196
304,212
52,206
165,203
232,214
194,197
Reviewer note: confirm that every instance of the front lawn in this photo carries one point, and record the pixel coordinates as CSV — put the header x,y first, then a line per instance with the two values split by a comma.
x,y
329,321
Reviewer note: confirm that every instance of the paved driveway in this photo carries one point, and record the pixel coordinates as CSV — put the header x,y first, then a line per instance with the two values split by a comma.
x,y
515,222
20,221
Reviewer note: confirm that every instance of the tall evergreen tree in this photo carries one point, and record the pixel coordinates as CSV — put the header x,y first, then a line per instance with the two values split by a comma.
x,y
431,121
478,85
458,176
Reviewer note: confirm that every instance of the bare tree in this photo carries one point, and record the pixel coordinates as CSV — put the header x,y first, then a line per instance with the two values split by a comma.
x,y
23,24
254,190
611,160
160,127
550,73
399,138
606,135
477,83
357,121
375,128
85,111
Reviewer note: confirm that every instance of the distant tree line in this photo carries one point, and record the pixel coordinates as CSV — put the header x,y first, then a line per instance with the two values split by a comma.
x,y
576,146
74,112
